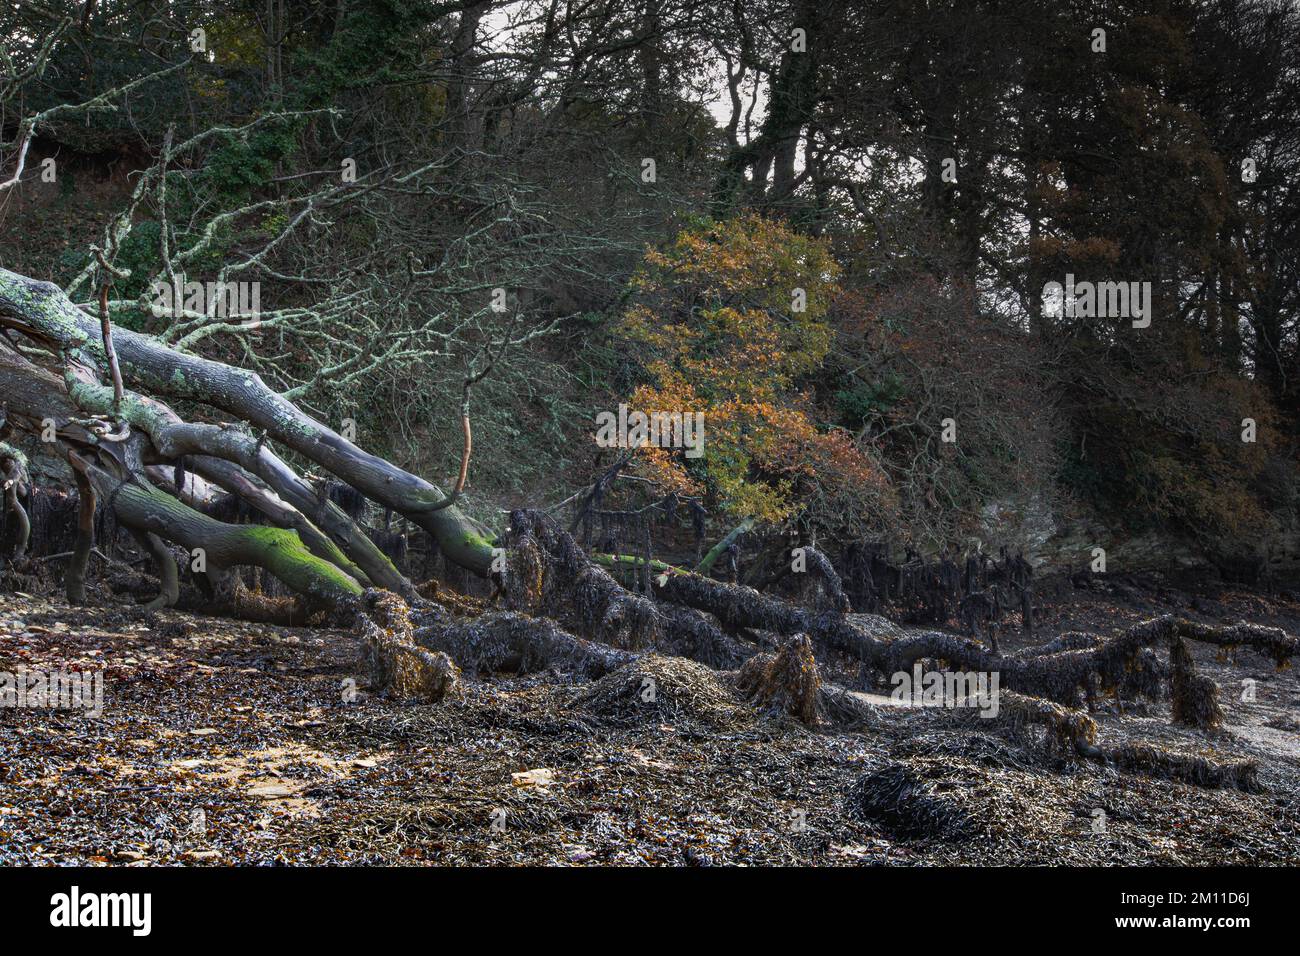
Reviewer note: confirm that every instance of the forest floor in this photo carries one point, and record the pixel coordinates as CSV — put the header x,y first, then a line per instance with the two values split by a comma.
x,y
223,742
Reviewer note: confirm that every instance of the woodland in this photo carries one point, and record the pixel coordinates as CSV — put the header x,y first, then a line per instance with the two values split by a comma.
x,y
653,384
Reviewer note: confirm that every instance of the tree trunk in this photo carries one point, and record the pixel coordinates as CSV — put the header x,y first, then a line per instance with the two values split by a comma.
x,y
78,564
13,479
141,506
45,315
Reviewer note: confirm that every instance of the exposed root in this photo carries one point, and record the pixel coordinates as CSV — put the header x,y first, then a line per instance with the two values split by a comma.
x,y
1073,666
506,641
786,682
1271,642
169,591
451,599
1195,698
13,482
737,606
398,666
1121,663
822,587
1073,730
687,633
1067,729
1158,762
233,598
74,580
549,574
1069,641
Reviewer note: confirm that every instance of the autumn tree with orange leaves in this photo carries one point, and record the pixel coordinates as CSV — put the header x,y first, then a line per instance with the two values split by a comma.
x,y
731,320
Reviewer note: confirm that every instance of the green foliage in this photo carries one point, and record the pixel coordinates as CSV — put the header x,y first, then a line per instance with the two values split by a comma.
x,y
240,166
857,403
378,42
140,253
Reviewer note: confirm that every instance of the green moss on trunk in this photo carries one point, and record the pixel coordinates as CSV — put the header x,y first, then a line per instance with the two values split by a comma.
x,y
278,550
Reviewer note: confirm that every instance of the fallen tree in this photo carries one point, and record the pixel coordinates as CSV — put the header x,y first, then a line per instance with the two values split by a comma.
x,y
46,319
98,399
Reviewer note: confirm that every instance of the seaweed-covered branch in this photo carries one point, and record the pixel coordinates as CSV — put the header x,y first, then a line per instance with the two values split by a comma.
x,y
1111,665
550,574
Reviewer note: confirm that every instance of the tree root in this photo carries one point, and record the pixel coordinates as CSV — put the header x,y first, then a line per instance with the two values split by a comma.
x,y
398,666
1112,665
74,580
548,573
1157,762
1067,728
505,641
737,606
13,480
169,590
1074,731
822,587
552,575
786,682
1195,698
